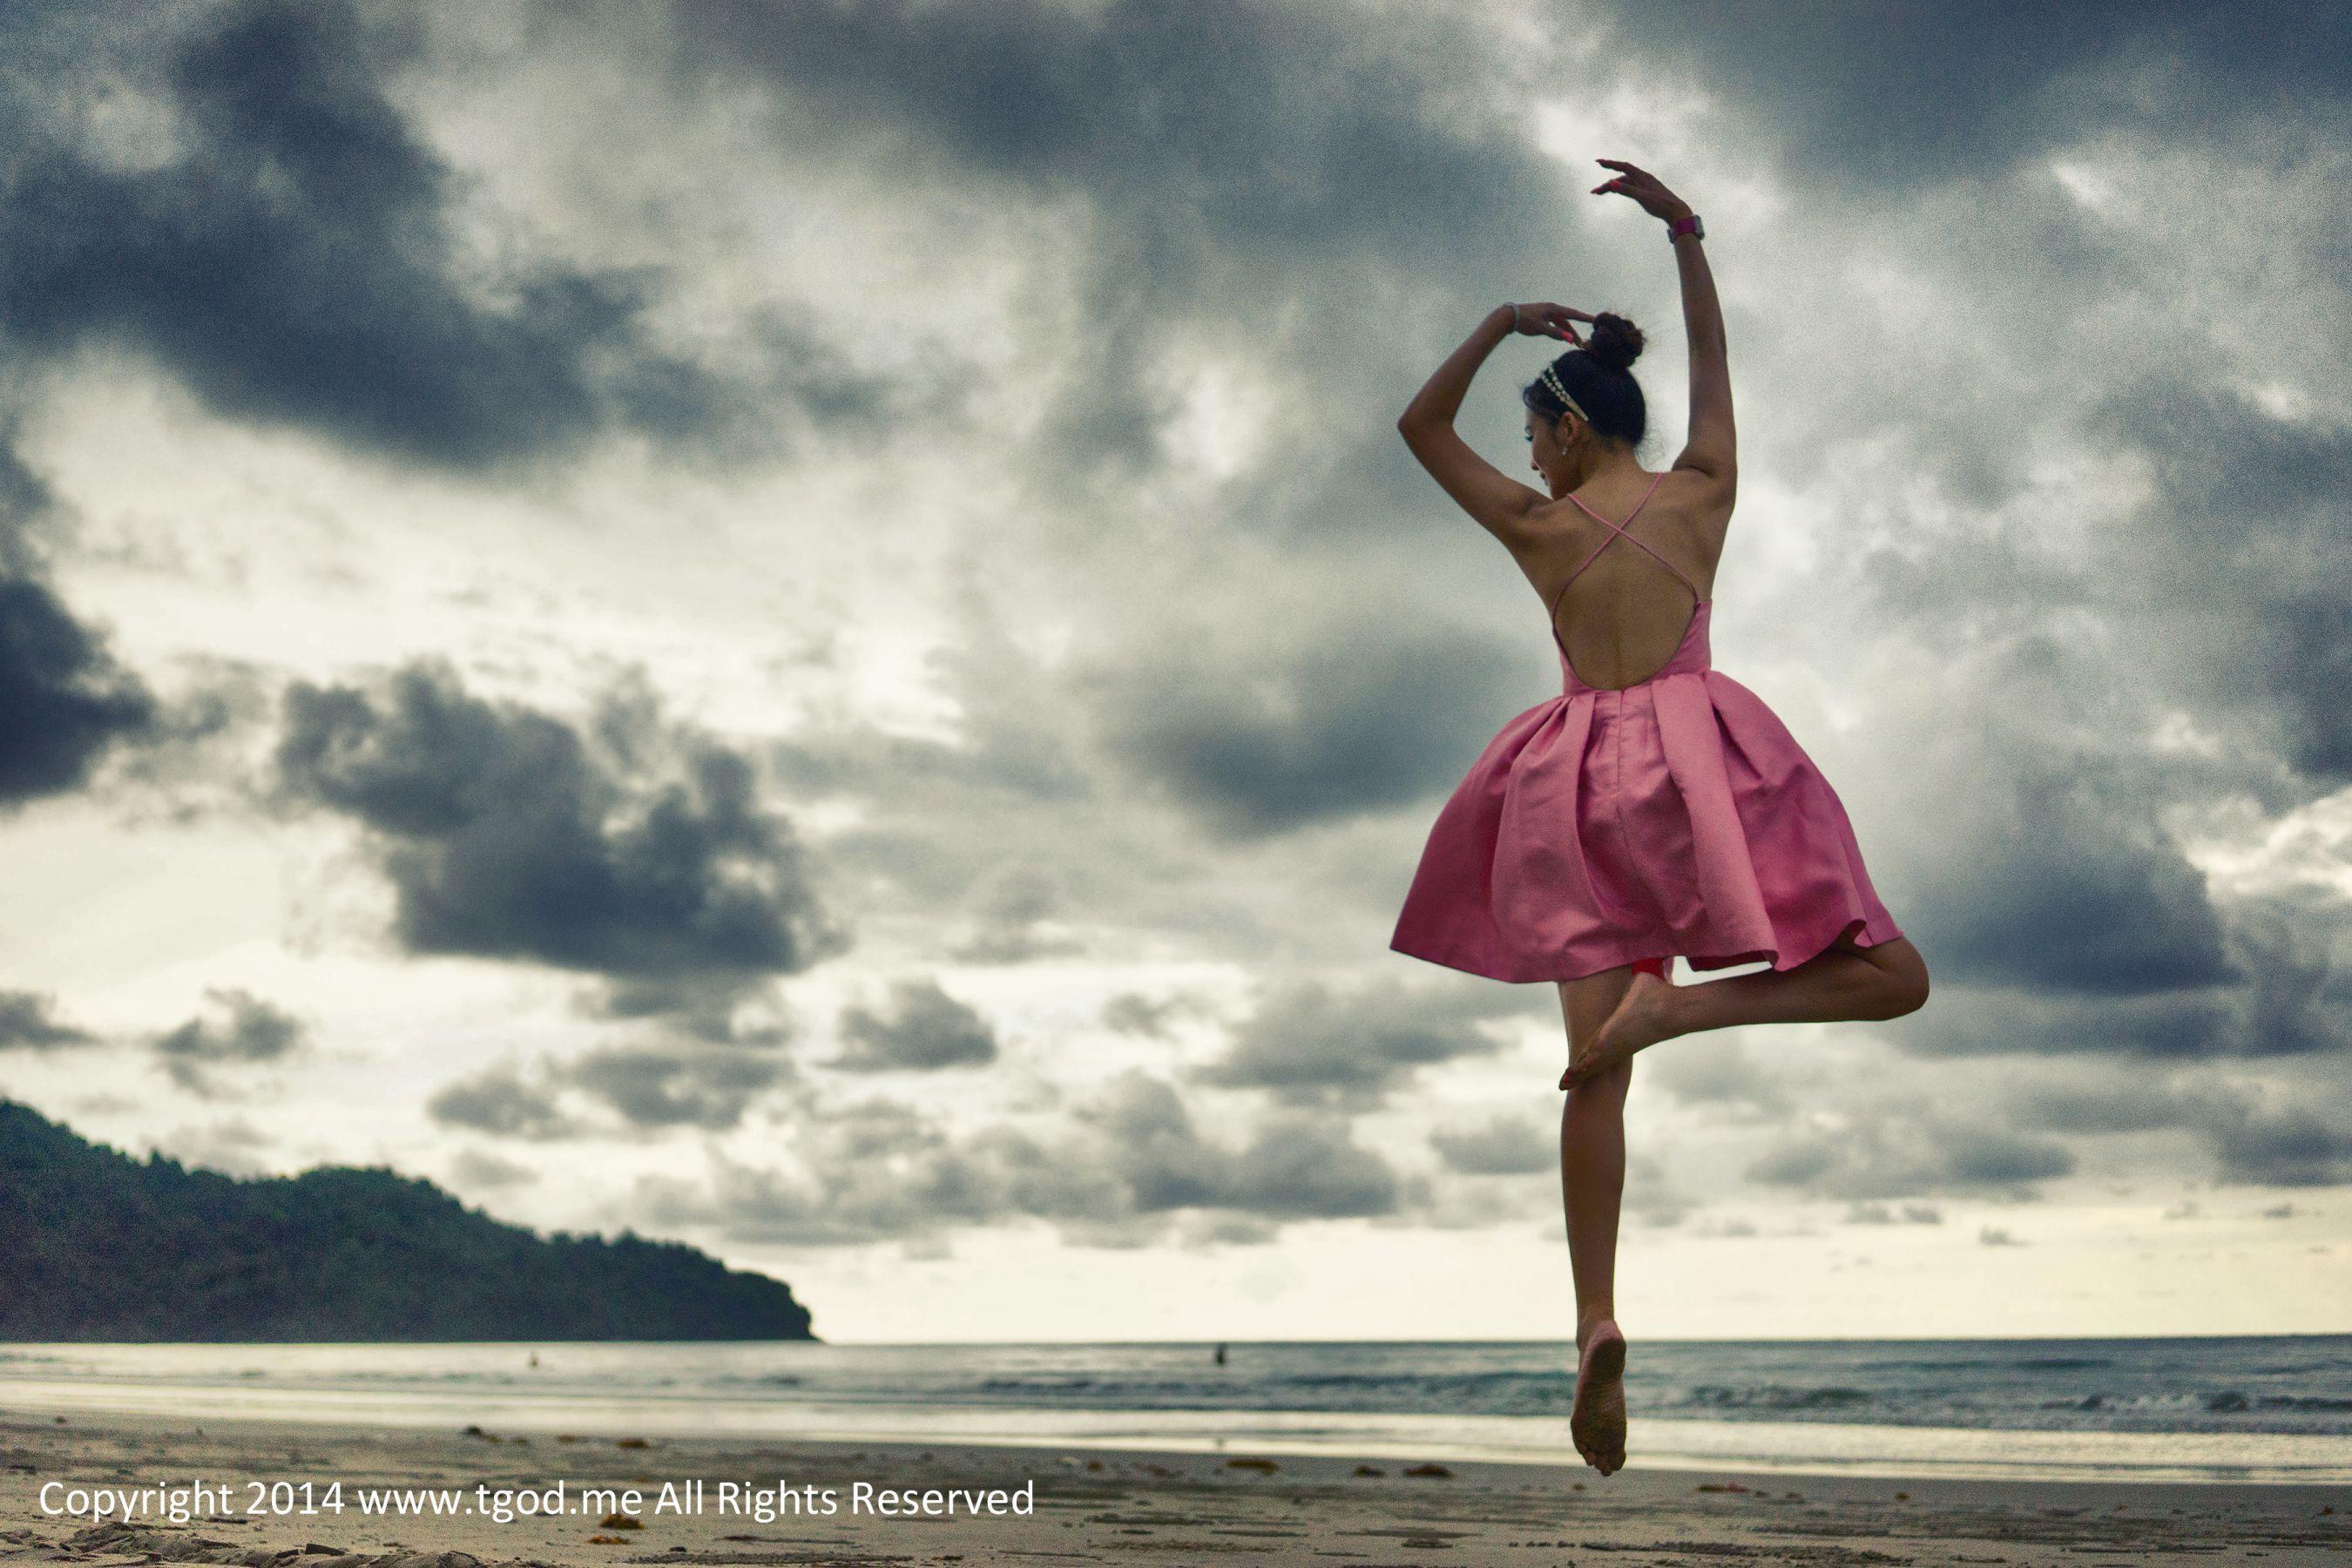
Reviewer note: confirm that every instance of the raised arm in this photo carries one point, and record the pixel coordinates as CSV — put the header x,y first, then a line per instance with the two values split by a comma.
x,y
1712,447
1485,492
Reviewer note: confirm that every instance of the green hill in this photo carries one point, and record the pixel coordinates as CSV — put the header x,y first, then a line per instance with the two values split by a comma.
x,y
95,1245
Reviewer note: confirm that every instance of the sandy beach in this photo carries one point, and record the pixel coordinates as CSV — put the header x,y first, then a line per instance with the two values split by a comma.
x,y
1056,1505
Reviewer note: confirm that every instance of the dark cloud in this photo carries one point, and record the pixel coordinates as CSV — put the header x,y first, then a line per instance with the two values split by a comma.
x,y
254,1031
1898,1152
511,834
2288,1002
65,700
2084,893
650,1089
28,1021
1652,1197
1304,1168
2128,1077
1132,1012
687,1009
2282,1146
1903,93
2037,860
1879,1213
1720,1074
1268,732
1220,135
2309,666
2243,556
1222,1229
1506,1146
1292,1167
1308,1045
2284,1133
924,1029
474,1170
500,1100
291,249
653,1088
2103,1100
25,500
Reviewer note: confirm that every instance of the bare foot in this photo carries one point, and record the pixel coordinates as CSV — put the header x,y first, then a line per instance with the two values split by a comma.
x,y
1643,1016
1597,1420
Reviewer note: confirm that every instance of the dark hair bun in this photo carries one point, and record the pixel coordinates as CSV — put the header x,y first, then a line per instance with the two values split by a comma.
x,y
1616,342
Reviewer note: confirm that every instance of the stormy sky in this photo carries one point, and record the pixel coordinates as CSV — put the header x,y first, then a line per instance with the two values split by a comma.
x,y
803,627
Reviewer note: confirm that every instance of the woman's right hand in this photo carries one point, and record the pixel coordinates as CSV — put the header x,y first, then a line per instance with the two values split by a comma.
x,y
1545,320
1644,187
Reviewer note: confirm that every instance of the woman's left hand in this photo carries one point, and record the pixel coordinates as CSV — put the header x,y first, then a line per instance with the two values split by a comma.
x,y
1542,319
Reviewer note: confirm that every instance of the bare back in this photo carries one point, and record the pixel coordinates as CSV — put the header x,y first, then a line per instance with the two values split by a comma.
x,y
1622,602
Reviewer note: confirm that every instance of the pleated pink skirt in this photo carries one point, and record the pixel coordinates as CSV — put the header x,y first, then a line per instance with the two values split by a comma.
x,y
1676,817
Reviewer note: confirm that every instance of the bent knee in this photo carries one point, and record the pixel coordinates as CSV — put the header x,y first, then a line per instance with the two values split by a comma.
x,y
1907,989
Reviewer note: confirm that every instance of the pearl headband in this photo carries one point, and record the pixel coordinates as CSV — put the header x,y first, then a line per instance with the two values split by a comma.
x,y
1552,382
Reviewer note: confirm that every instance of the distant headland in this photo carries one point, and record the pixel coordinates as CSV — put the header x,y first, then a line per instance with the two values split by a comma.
x,y
101,1247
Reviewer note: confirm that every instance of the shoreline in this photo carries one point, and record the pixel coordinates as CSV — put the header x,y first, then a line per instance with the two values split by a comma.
x,y
1091,1503
1759,1446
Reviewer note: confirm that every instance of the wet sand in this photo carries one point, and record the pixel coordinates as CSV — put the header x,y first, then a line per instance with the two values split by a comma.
x,y
1087,1506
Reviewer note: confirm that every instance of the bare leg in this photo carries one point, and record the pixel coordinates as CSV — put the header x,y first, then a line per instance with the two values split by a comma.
x,y
1593,1189
1842,983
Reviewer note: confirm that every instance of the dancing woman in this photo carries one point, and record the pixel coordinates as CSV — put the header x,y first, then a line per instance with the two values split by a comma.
x,y
1657,808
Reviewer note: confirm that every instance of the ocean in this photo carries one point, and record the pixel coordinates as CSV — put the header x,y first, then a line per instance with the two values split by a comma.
x,y
2262,1408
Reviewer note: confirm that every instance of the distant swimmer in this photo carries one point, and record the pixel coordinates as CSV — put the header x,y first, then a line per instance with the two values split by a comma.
x,y
1220,1355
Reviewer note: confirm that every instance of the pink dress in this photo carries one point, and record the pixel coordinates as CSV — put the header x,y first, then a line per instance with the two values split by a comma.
x,y
1612,826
